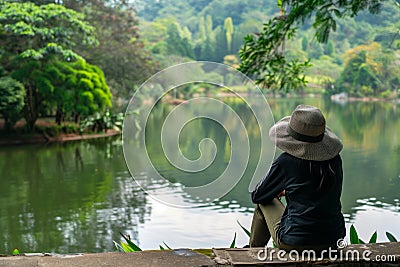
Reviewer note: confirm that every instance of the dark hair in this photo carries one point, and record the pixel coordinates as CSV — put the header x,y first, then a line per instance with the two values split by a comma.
x,y
324,174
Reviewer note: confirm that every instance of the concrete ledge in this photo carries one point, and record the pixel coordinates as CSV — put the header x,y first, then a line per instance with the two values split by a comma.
x,y
173,258
221,257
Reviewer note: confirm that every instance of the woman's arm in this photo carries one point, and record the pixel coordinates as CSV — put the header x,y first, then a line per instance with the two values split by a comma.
x,y
271,186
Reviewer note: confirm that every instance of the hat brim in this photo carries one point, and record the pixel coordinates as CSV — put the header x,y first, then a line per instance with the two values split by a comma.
x,y
329,147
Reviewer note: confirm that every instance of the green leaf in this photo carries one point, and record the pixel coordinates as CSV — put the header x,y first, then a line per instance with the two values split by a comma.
x,y
391,237
130,243
274,244
233,242
126,247
118,246
162,248
15,252
353,235
244,229
373,238
168,247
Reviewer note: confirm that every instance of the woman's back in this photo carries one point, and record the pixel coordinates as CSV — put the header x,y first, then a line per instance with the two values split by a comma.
x,y
313,212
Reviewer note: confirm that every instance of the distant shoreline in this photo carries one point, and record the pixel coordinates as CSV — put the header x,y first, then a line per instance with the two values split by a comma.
x,y
35,138
18,137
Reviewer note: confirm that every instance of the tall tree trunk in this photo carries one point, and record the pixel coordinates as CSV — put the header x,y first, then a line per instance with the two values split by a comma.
x,y
30,109
59,115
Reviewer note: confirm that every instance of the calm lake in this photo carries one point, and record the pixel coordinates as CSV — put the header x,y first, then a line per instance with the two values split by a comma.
x,y
78,196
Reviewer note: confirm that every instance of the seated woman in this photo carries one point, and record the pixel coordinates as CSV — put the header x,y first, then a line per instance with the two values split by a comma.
x,y
309,173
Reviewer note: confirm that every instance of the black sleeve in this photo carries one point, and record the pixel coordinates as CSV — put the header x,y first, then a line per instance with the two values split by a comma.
x,y
270,186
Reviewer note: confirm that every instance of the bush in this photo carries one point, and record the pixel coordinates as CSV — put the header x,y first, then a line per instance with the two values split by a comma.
x,y
12,95
387,94
70,128
55,130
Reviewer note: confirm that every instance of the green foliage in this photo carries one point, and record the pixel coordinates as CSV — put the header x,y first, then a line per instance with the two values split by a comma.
x,y
166,247
304,43
233,243
373,238
176,44
35,31
369,71
12,95
391,237
354,239
54,130
228,26
129,246
74,89
15,252
101,122
273,54
244,229
121,54
264,56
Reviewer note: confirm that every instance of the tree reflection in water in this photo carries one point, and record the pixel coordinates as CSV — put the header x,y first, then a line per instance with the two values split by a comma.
x,y
70,197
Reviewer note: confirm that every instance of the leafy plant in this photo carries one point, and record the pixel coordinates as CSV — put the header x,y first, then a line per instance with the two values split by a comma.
x,y
354,238
373,238
391,237
102,122
244,229
248,234
162,248
129,246
233,242
15,252
12,95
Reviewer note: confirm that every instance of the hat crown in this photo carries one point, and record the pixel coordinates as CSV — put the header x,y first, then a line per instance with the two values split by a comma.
x,y
308,121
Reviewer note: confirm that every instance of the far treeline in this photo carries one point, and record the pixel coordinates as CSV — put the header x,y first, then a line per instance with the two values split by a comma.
x,y
67,59
360,57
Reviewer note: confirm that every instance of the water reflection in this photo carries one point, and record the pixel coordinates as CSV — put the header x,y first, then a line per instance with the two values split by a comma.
x,y
78,196
69,197
370,133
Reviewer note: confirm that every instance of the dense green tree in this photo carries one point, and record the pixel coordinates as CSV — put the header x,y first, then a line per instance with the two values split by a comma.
x,y
349,24
330,48
120,54
31,37
208,49
221,45
72,89
370,70
263,56
304,43
12,95
228,27
32,31
177,45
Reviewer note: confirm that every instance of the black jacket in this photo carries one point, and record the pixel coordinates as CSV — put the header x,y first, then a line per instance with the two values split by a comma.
x,y
313,214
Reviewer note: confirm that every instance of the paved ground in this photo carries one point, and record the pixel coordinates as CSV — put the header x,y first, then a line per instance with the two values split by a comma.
x,y
166,258
381,254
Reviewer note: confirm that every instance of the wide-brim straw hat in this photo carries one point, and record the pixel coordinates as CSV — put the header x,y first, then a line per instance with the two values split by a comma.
x,y
304,135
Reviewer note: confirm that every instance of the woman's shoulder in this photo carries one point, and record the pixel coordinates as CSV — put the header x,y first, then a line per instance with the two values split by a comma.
x,y
284,156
